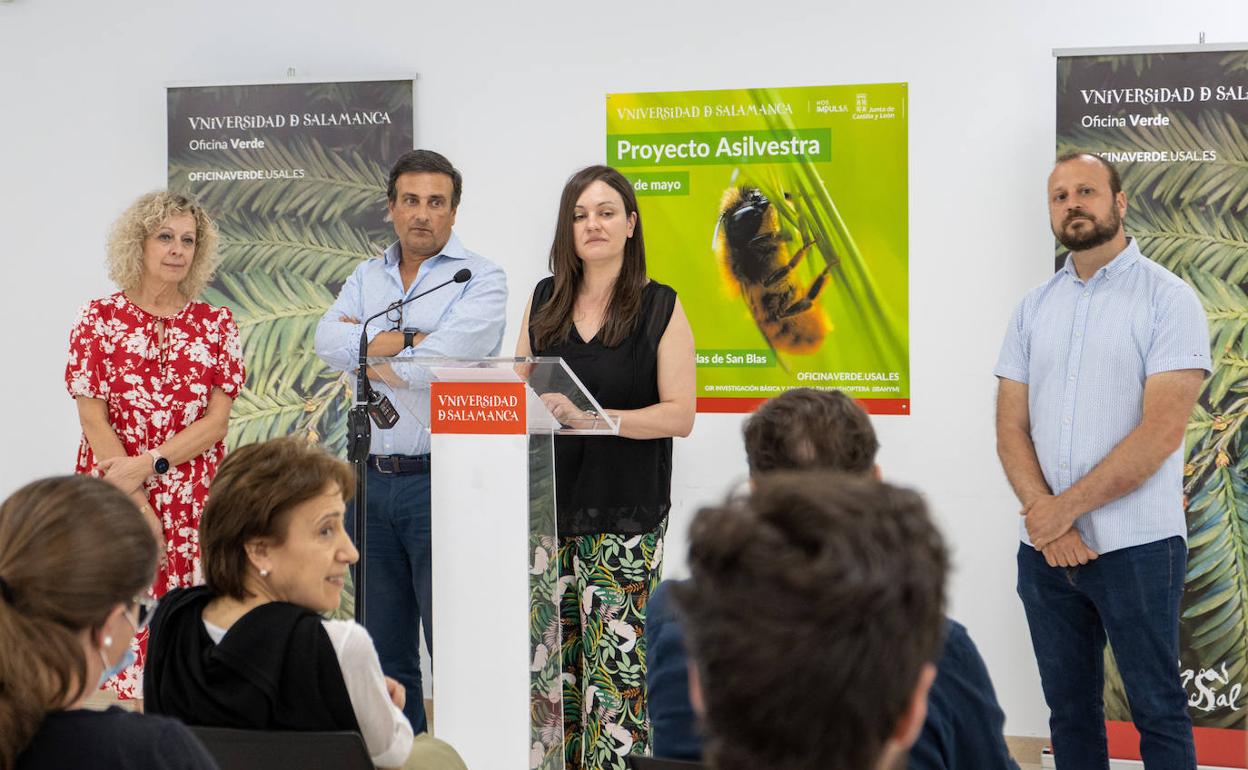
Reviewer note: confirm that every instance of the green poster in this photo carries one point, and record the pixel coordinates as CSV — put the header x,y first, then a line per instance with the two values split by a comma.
x,y
780,216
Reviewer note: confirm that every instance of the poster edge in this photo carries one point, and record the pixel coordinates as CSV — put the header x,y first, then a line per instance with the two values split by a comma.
x,y
903,83
1134,50
298,80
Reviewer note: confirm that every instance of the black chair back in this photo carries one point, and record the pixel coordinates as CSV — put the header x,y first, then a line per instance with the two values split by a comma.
x,y
636,762
260,749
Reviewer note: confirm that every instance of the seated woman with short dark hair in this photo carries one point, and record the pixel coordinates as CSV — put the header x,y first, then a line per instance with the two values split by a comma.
x,y
249,649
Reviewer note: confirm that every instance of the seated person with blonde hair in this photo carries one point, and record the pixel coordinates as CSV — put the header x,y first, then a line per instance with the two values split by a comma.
x,y
249,649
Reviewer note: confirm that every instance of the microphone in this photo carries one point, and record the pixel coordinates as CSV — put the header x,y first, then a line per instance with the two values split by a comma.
x,y
462,276
369,403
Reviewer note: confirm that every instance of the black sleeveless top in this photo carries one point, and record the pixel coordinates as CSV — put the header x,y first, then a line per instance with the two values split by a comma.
x,y
608,484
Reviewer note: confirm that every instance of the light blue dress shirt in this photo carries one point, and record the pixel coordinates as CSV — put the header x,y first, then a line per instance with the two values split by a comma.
x,y
462,320
1084,350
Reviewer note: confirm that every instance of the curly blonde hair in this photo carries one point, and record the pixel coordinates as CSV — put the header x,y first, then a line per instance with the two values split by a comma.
x,y
144,217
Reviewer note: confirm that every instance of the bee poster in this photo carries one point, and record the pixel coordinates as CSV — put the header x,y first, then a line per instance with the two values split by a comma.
x,y
780,217
1175,124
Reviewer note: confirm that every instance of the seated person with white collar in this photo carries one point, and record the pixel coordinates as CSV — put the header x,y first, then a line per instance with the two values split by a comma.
x,y
249,649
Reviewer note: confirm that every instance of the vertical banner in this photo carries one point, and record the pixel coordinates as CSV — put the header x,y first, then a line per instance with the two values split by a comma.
x,y
1176,126
780,216
295,176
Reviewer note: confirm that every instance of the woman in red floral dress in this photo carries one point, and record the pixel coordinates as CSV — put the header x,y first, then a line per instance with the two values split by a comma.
x,y
154,373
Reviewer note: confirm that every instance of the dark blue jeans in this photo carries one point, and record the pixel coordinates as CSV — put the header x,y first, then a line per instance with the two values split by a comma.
x,y
1132,595
398,582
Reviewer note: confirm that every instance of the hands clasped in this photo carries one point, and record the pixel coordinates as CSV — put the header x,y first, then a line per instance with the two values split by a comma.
x,y
126,473
1050,526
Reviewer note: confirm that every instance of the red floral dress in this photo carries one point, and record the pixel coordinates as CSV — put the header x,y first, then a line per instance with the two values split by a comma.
x,y
154,391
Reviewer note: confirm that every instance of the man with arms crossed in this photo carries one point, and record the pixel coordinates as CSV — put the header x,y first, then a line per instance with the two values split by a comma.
x,y
1098,374
457,321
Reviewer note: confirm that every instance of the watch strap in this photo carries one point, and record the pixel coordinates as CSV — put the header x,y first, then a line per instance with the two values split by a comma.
x,y
159,463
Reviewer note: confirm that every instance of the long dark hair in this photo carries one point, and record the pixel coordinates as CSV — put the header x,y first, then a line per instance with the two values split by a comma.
x,y
71,549
552,322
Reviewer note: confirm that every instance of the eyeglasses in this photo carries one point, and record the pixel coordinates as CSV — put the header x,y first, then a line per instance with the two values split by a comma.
x,y
394,314
145,607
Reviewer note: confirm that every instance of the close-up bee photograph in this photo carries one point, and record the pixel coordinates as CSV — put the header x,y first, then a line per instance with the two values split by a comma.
x,y
754,251
787,233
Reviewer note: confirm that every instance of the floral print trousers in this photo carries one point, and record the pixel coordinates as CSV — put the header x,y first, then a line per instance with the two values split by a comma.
x,y
606,580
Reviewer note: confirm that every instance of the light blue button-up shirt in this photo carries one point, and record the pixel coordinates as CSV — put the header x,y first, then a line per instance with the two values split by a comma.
x,y
462,320
1084,350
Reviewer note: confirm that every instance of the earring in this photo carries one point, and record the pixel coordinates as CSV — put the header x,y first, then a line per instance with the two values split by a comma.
x,y
264,573
108,640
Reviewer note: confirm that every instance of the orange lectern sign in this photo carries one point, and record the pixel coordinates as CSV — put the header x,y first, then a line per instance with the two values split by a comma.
x,y
477,407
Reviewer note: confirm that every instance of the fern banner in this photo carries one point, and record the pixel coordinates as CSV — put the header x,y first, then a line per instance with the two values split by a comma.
x,y
394,96
320,184
1188,208
277,317
299,206
1236,61
258,418
1221,182
1218,574
325,253
1191,237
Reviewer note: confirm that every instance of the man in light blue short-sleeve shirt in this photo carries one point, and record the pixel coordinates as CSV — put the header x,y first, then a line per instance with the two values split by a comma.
x,y
1098,374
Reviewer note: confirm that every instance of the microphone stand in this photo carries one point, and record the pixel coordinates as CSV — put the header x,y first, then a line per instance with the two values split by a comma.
x,y
359,440
360,437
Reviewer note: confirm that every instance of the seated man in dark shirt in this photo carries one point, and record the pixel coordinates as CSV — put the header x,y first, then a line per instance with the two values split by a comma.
x,y
813,617
809,429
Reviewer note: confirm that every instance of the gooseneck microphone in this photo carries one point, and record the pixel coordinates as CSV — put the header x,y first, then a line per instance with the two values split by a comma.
x,y
462,276
360,433
369,403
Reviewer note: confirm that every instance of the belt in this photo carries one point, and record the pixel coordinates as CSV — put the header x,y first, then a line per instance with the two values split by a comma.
x,y
399,465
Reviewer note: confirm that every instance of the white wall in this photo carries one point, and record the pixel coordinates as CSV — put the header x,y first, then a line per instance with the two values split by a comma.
x,y
513,94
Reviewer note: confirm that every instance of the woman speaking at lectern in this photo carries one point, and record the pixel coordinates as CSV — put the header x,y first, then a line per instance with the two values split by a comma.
x,y
628,341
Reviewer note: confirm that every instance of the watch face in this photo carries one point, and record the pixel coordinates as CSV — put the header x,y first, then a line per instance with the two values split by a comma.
x,y
162,465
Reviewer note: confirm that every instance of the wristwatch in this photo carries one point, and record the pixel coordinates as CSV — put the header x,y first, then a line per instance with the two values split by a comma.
x,y
159,463
409,336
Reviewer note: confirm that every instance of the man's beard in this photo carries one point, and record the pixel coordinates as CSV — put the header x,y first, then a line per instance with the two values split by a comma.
x,y
1101,232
